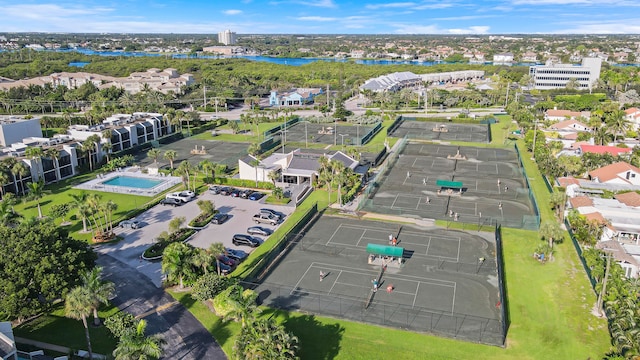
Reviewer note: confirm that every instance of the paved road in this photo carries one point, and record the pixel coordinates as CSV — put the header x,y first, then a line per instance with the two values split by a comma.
x,y
186,338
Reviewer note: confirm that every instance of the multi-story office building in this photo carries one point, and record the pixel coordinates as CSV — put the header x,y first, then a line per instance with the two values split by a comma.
x,y
555,76
227,37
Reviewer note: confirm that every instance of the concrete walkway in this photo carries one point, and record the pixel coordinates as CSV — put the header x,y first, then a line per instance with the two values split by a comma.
x,y
185,336
52,347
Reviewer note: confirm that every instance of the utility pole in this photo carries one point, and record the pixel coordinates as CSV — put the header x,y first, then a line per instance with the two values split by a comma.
x,y
604,285
535,132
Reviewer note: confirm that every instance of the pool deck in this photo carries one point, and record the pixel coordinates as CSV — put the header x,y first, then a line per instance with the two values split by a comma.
x,y
133,171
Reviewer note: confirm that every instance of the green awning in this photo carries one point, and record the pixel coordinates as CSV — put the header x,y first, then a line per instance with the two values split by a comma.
x,y
385,250
449,184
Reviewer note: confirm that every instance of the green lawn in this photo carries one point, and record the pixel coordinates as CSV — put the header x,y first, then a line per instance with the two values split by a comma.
x,y
57,329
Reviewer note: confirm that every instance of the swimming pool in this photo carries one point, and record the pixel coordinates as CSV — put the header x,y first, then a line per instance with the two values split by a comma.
x,y
133,182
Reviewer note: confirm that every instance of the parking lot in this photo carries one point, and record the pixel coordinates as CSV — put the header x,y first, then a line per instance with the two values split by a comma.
x,y
156,220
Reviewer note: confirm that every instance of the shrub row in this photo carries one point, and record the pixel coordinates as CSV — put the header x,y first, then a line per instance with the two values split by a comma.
x,y
244,183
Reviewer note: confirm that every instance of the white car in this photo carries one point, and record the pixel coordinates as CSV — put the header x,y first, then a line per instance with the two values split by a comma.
x,y
131,223
183,196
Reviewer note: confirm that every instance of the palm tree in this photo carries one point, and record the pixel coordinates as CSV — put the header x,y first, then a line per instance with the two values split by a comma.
x,y
20,170
171,156
551,231
154,154
35,153
176,261
216,249
87,146
135,345
107,146
8,215
36,192
201,258
617,122
78,306
99,290
185,169
207,167
79,202
255,163
274,176
53,154
4,178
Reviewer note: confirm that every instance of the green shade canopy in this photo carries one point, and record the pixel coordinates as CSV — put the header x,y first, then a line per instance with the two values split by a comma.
x,y
449,184
385,250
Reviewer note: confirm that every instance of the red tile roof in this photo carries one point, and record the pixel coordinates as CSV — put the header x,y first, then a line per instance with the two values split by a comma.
x,y
631,111
566,181
630,199
611,172
567,124
597,217
580,201
603,149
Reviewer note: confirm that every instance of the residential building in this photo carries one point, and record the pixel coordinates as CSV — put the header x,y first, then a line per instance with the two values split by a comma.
x,y
227,37
225,50
16,128
616,173
165,81
569,126
392,82
555,76
561,115
603,149
503,59
452,77
296,97
633,116
8,350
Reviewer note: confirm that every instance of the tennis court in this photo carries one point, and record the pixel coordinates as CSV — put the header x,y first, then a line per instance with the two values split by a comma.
x,y
446,285
191,149
482,186
441,130
329,133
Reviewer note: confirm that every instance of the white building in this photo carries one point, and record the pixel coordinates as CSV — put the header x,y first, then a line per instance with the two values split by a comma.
x,y
8,349
15,128
392,82
555,76
227,37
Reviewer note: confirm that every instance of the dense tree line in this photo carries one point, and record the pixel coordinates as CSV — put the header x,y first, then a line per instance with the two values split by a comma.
x,y
40,263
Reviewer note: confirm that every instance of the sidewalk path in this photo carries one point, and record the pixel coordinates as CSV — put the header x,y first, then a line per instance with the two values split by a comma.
x,y
185,336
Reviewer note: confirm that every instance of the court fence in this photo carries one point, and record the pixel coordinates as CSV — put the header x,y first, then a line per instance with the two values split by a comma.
x,y
529,222
368,136
502,284
583,261
383,169
470,328
287,124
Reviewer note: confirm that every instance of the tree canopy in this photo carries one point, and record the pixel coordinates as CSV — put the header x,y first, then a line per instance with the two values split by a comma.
x,y
40,263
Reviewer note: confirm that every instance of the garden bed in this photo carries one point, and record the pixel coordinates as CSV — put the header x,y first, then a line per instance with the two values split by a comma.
x,y
154,252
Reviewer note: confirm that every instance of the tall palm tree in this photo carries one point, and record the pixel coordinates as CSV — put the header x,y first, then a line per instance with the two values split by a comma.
x,y
216,249
53,154
202,258
617,122
78,306
551,231
255,163
207,167
99,290
154,154
35,153
20,170
87,147
170,155
135,345
4,178
80,203
37,192
176,261
274,176
7,165
185,169
8,215
108,146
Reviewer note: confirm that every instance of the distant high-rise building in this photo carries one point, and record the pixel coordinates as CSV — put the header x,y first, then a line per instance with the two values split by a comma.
x,y
555,76
227,37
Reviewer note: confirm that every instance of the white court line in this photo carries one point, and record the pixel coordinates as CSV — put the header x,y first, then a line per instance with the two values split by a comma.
x,y
361,237
410,278
415,296
334,234
335,281
458,255
453,300
396,199
300,280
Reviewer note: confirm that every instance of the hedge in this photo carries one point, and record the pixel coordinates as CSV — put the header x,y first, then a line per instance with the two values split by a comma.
x,y
244,183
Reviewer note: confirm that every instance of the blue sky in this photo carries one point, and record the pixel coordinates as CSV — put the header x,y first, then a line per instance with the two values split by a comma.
x,y
324,16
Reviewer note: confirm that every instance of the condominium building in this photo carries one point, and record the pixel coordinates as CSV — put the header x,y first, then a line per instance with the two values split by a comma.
x,y
227,37
16,128
555,76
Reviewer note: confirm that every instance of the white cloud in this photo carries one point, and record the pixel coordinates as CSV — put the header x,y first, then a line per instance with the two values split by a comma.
x,y
318,3
434,29
47,11
622,27
460,18
578,2
317,18
390,5
232,12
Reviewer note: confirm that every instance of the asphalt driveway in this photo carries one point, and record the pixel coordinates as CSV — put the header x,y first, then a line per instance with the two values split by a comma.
x,y
185,336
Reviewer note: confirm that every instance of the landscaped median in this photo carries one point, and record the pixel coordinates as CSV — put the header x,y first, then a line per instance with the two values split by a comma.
x,y
154,252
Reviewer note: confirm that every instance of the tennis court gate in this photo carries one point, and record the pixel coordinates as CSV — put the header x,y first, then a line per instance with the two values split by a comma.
x,y
447,324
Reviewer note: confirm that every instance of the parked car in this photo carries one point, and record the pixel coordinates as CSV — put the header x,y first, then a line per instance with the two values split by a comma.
x,y
259,230
188,193
226,190
236,254
219,218
184,197
131,223
171,201
224,269
276,214
245,193
215,190
265,218
226,260
246,240
256,196
235,193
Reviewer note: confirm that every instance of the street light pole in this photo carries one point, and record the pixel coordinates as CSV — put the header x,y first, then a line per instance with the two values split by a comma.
x,y
342,139
535,132
306,139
